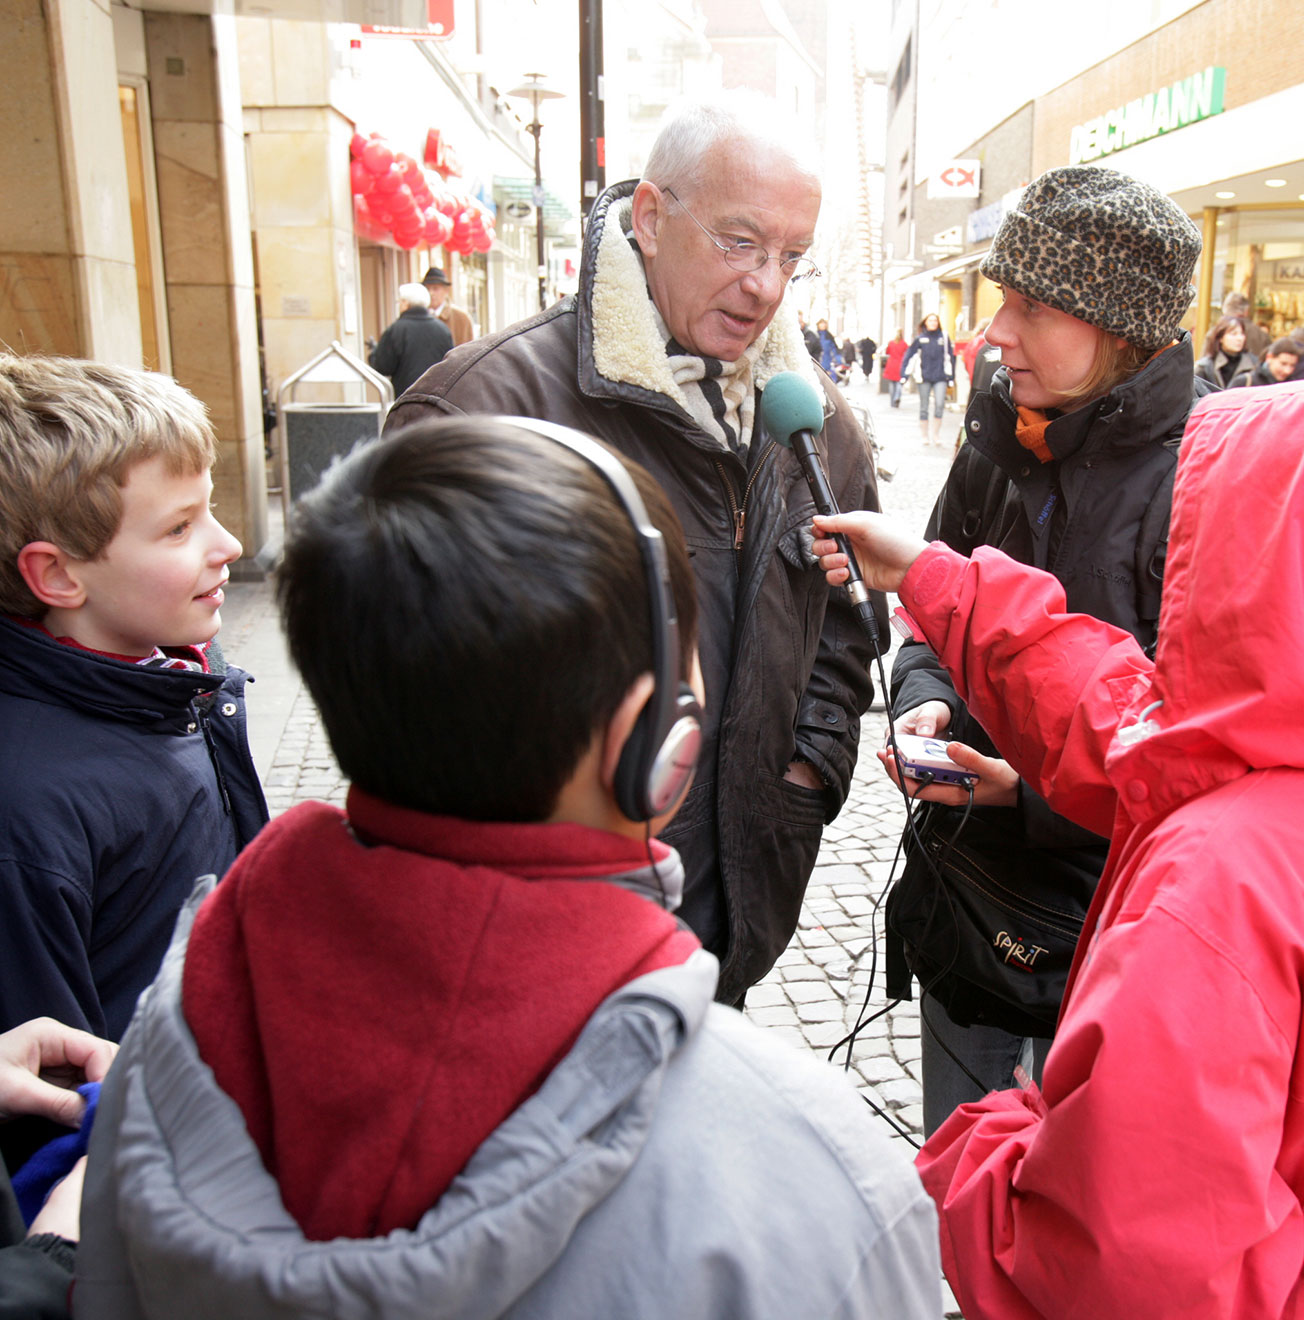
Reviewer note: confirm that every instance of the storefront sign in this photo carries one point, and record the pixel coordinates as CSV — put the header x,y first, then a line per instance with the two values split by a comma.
x,y
984,222
439,19
957,178
1185,102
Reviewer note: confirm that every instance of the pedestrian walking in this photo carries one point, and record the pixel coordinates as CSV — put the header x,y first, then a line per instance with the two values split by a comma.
x,y
937,372
413,343
893,357
1278,365
867,349
1225,353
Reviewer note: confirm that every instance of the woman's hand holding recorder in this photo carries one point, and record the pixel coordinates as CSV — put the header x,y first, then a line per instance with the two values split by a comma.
x,y
995,783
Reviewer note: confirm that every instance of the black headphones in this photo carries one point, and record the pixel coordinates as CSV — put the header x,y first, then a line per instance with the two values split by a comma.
x,y
660,755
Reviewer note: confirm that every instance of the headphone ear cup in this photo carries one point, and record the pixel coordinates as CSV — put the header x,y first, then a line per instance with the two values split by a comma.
x,y
629,786
652,772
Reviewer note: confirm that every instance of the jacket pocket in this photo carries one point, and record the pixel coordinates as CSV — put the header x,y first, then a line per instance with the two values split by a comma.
x,y
781,840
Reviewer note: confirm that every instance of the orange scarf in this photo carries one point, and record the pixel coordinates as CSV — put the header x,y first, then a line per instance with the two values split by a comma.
x,y
1030,431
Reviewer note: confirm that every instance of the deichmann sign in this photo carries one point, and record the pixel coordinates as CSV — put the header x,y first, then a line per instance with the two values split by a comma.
x,y
1185,102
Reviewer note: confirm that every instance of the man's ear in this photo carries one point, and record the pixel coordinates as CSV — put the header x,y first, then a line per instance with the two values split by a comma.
x,y
51,575
621,725
648,214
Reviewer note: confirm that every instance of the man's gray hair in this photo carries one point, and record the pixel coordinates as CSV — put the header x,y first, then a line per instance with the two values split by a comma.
x,y
415,295
1235,304
739,117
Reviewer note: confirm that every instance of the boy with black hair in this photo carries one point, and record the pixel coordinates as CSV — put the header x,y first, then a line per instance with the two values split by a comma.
x,y
124,768
485,1076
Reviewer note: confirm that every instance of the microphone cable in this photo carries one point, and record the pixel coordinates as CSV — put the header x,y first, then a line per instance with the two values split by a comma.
x,y
910,829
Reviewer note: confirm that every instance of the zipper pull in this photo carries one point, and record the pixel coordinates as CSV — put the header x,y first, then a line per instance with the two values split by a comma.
x,y
740,519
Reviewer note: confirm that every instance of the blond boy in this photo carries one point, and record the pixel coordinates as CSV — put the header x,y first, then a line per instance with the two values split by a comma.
x,y
124,769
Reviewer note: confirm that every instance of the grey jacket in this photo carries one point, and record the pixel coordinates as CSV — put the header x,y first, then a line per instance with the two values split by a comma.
x,y
785,664
679,1162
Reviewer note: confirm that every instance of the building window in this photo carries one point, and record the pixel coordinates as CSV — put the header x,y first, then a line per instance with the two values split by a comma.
x,y
901,77
1260,253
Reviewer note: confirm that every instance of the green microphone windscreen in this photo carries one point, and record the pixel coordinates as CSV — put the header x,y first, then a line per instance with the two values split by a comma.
x,y
789,402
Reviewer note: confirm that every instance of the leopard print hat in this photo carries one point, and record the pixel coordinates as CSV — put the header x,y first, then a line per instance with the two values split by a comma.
x,y
1103,247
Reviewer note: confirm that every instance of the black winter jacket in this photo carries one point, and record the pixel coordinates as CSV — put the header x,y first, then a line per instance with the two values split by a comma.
x,y
1255,375
1097,518
120,785
410,346
784,662
1221,370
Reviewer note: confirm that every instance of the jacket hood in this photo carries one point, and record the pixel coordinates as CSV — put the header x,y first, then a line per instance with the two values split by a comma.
x,y
35,666
1232,609
210,1236
457,959
619,339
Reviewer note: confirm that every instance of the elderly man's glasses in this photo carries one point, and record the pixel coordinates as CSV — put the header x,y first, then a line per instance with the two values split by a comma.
x,y
752,256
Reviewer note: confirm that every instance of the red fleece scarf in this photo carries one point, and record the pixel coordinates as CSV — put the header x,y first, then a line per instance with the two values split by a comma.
x,y
377,999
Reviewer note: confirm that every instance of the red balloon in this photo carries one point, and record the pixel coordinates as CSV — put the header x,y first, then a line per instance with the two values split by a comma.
x,y
357,144
360,177
438,229
365,221
390,181
402,203
378,158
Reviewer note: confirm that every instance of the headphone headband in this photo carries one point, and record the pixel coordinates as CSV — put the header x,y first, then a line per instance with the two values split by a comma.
x,y
661,753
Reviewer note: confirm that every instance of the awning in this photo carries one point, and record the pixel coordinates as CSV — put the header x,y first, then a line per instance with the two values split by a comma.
x,y
520,192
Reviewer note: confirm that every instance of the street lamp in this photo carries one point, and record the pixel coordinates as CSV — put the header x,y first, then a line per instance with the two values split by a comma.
x,y
535,90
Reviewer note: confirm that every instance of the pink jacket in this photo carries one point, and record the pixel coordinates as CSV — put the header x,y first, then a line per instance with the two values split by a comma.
x,y
1160,1171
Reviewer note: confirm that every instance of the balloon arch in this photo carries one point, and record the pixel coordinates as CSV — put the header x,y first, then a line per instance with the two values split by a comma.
x,y
396,200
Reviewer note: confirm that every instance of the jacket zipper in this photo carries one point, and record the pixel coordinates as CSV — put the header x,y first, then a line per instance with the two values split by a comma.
x,y
737,512
202,719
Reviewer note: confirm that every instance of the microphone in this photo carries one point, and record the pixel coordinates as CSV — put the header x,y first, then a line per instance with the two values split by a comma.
x,y
792,411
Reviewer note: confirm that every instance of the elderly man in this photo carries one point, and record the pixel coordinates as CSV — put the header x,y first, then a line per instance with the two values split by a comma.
x,y
412,344
675,330
456,318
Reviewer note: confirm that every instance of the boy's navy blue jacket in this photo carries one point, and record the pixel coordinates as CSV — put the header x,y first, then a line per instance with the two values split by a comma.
x,y
120,785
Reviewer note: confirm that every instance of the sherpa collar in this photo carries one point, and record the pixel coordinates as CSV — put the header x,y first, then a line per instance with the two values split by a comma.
x,y
627,347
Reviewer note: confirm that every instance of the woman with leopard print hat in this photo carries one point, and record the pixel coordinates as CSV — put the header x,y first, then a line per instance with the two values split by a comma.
x,y
1068,465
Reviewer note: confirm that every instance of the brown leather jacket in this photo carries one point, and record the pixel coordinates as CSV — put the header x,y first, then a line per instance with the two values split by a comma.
x,y
785,664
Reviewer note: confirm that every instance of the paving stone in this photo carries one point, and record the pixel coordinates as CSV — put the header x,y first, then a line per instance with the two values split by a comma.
x,y
902,1092
858,906
822,1035
777,1016
807,992
820,1010
880,1068
802,971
